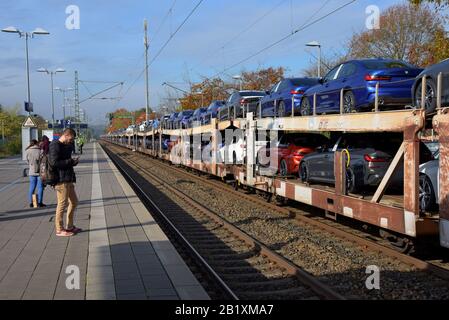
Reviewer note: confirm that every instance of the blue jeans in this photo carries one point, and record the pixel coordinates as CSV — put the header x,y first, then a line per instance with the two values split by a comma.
x,y
35,181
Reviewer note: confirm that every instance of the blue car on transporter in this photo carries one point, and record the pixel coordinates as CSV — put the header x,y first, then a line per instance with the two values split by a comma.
x,y
182,121
195,120
358,80
212,111
170,122
278,101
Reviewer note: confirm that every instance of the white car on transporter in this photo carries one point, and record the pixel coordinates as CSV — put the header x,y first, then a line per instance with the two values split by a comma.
x,y
429,182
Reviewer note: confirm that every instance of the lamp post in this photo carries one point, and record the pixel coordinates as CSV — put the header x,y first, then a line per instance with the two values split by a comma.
x,y
147,94
27,35
51,73
202,97
316,44
239,77
64,100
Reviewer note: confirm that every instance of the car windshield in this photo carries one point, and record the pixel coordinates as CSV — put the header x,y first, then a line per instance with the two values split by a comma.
x,y
308,140
388,142
252,93
377,65
434,147
215,105
298,82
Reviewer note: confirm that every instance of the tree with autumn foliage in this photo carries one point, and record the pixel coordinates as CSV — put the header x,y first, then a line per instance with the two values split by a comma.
x,y
262,79
437,3
413,33
208,90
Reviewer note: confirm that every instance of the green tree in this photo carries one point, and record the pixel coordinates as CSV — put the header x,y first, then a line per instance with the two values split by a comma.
x,y
11,124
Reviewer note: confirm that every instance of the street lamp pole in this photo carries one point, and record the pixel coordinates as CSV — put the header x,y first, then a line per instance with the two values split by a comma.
x,y
27,35
240,79
147,94
318,45
319,61
51,73
28,69
52,100
202,97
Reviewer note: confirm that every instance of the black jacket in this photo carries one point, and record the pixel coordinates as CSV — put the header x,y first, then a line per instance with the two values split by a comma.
x,y
60,158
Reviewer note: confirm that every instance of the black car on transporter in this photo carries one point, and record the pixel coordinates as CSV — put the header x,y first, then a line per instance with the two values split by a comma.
x,y
431,74
240,101
369,159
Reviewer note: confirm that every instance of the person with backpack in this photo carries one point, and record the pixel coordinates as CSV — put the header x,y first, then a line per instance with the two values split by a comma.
x,y
63,179
33,155
45,144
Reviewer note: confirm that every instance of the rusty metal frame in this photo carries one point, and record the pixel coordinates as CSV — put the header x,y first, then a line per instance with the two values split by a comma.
x,y
441,125
390,171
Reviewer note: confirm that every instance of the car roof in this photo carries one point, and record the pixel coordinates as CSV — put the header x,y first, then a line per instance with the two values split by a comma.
x,y
374,59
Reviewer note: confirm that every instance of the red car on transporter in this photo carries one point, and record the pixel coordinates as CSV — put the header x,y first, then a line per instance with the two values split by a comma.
x,y
290,150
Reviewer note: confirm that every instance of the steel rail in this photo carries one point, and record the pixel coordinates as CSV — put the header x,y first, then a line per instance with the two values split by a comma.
x,y
298,216
303,277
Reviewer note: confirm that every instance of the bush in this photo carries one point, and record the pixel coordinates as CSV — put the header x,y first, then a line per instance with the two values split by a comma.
x,y
11,147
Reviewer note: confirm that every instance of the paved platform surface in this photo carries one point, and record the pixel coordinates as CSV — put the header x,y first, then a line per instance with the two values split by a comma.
x,y
121,253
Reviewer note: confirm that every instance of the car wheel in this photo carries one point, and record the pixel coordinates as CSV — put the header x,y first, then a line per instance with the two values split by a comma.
x,y
231,113
281,109
303,172
305,108
283,169
348,102
352,181
426,194
430,98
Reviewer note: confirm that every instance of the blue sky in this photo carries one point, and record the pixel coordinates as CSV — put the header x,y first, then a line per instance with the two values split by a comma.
x,y
109,44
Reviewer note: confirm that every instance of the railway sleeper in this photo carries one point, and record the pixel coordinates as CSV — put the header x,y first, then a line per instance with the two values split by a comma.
x,y
230,270
254,276
234,256
223,251
301,293
277,284
253,261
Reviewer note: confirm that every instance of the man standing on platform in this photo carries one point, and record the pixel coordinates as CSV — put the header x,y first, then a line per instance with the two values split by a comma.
x,y
60,158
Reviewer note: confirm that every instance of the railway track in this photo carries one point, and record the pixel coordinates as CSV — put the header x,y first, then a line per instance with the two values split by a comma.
x,y
364,239
240,265
301,218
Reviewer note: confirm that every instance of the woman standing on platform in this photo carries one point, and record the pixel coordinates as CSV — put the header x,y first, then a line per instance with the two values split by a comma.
x,y
33,153
45,144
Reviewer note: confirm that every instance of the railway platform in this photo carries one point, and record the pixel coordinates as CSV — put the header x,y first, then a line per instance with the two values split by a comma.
x,y
121,253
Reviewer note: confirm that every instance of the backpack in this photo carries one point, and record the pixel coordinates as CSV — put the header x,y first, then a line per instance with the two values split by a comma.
x,y
46,171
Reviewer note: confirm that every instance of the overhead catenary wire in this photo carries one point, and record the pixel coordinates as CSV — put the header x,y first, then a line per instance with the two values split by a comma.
x,y
175,32
142,55
301,28
162,48
170,10
236,36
